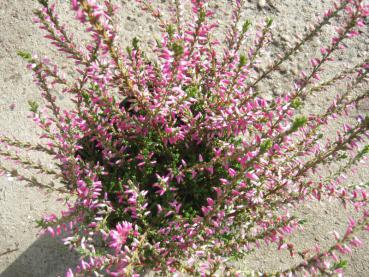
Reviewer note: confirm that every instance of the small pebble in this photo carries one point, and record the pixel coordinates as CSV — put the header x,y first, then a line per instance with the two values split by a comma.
x,y
129,26
261,4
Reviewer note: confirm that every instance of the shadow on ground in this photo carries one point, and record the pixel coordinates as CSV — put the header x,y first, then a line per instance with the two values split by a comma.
x,y
46,257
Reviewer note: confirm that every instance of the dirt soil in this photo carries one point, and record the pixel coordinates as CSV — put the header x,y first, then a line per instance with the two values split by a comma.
x,y
23,253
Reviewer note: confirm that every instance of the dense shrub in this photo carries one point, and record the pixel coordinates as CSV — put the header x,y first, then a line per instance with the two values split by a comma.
x,y
174,161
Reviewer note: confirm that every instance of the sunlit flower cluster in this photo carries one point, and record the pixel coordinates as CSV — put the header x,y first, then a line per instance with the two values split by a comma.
x,y
179,163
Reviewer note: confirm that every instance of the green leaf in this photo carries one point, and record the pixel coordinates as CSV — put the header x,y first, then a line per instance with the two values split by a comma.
x,y
341,156
86,96
266,145
25,55
243,60
202,16
340,264
296,103
269,22
170,31
177,49
363,152
158,43
44,3
129,50
135,43
246,26
33,106
298,123
192,91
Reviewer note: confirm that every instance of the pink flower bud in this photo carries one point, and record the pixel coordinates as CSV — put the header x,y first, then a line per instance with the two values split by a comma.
x,y
252,176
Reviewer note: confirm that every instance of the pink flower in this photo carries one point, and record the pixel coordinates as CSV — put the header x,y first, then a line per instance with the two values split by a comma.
x,y
119,235
314,62
74,4
69,273
356,242
252,176
232,172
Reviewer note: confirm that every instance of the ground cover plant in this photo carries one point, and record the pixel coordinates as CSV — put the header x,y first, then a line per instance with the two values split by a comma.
x,y
174,161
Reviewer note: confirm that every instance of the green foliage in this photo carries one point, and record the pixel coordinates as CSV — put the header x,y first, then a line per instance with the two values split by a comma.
x,y
296,103
243,60
341,156
192,191
363,152
189,213
340,265
299,122
33,106
269,22
266,145
170,30
246,26
135,43
25,55
238,255
192,91
44,3
177,49
202,16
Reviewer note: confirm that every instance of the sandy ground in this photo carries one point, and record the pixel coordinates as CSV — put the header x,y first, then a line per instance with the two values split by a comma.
x,y
22,252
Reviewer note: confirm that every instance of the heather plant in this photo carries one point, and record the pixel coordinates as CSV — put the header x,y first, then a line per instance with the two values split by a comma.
x,y
174,161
